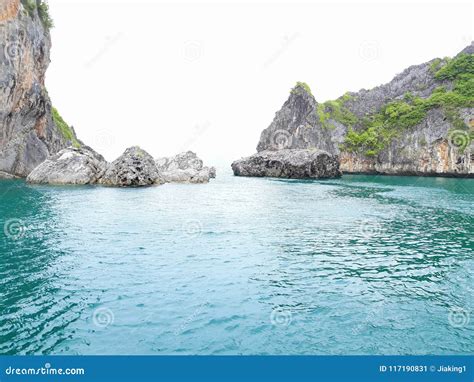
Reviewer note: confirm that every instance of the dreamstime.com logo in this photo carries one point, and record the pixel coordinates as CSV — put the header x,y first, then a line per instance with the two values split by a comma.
x,y
281,139
369,50
284,45
193,50
14,229
281,317
103,317
190,319
192,228
458,317
17,229
459,139
44,370
103,139
12,50
369,229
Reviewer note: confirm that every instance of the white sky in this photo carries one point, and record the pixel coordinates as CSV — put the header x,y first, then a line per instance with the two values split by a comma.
x,y
210,76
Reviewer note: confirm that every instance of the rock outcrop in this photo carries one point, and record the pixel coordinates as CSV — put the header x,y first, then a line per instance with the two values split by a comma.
x,y
35,142
134,168
70,166
184,168
29,133
298,164
421,123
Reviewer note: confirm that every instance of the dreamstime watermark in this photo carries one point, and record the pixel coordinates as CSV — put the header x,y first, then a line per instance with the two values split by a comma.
x,y
17,229
102,139
369,50
281,139
47,369
281,317
368,228
458,317
103,317
193,50
459,139
109,42
466,40
198,131
190,319
284,45
11,51
372,316
192,228
14,229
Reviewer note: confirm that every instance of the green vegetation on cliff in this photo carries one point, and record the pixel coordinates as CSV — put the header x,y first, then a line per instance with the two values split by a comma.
x,y
457,68
43,11
376,131
337,111
303,85
64,128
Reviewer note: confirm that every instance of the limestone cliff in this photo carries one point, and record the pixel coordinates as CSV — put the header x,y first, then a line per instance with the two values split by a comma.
x,y
30,129
421,123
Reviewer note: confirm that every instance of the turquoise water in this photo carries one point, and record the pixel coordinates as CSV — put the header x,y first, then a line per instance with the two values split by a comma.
x,y
360,265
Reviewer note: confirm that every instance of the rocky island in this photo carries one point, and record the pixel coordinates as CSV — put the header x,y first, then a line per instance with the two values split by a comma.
x,y
420,123
35,141
134,168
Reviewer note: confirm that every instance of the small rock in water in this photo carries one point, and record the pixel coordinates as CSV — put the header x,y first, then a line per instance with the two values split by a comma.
x,y
134,168
298,164
184,168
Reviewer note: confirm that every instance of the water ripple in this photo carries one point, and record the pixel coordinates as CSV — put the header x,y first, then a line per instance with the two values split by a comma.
x,y
360,265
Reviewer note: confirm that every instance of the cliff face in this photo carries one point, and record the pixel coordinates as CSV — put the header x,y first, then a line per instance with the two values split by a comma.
x,y
29,132
421,123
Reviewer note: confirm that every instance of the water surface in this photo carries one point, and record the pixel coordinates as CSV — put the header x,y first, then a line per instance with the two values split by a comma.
x,y
360,265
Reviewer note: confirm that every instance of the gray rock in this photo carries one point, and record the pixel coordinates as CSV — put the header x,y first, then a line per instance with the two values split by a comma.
x,y
184,168
287,163
428,148
6,175
70,166
296,126
28,134
134,168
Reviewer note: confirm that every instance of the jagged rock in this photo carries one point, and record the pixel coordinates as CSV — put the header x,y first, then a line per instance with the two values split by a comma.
x,y
70,166
289,164
134,168
434,146
28,133
184,168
